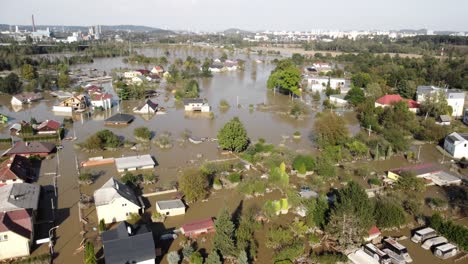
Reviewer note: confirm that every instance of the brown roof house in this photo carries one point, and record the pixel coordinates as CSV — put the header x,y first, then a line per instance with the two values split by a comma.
x,y
18,205
16,169
26,98
77,103
48,127
31,149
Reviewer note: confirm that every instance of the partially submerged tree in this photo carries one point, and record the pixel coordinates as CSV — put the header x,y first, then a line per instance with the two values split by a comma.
x,y
233,136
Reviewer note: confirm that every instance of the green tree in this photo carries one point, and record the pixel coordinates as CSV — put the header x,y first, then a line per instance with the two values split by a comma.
x,y
223,240
374,90
213,258
360,80
196,258
242,259
351,216
330,129
286,77
408,182
435,105
355,96
388,214
11,84
90,257
142,133
325,167
233,136
28,72
297,59
194,186
205,68
63,80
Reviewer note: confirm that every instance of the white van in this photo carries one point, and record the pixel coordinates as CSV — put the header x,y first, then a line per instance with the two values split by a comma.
x,y
445,251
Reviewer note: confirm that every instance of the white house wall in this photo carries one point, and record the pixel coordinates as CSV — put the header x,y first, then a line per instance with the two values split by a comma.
x,y
117,211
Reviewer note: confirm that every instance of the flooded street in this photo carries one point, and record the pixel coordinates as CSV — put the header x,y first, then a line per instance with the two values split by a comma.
x,y
246,89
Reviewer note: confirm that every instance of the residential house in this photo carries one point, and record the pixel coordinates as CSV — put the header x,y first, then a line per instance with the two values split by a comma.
x,y
216,68
196,105
26,98
131,74
16,234
3,119
72,104
319,84
230,65
34,148
455,98
443,120
465,117
16,169
133,163
62,94
92,89
128,244
157,70
115,201
391,99
170,207
433,174
457,145
119,119
148,108
48,127
321,65
17,196
101,100
197,228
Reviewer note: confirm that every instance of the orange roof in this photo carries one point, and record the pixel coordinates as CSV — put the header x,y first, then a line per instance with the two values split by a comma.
x,y
374,231
395,98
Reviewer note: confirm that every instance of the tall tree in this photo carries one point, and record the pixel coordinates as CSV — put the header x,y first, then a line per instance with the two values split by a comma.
x,y
28,72
233,136
285,77
213,258
223,240
194,186
355,96
11,84
90,257
351,216
330,129
242,259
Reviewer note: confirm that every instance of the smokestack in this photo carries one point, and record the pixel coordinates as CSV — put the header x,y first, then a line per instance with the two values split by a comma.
x,y
33,24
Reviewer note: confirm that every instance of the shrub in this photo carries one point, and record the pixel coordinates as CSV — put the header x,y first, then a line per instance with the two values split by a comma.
x,y
252,186
224,104
85,178
142,133
102,226
133,218
304,160
130,179
374,181
234,177
149,178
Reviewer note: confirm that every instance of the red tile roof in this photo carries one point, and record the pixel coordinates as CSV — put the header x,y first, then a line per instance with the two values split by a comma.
x,y
198,226
100,96
18,221
374,231
49,125
16,167
395,98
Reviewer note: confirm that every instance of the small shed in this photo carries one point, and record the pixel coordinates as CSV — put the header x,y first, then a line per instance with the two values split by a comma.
x,y
373,233
197,228
133,163
170,207
119,119
443,120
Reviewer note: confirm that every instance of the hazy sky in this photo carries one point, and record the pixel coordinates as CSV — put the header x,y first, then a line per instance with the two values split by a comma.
x,y
244,14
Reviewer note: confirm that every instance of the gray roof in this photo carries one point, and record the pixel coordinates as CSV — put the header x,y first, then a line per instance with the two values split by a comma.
x,y
193,101
112,190
444,118
122,247
170,204
134,162
19,196
31,148
120,118
308,194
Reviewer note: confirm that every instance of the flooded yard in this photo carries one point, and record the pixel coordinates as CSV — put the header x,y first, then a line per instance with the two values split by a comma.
x,y
245,88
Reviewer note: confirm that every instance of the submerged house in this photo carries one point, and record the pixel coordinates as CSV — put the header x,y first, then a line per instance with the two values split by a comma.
x,y
133,163
128,244
119,119
115,201
148,108
72,104
16,169
102,100
26,98
196,105
432,173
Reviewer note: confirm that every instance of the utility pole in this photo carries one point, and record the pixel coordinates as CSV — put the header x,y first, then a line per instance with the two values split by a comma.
x,y
419,152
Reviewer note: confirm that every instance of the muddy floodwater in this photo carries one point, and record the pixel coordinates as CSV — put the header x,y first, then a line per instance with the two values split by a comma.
x,y
245,91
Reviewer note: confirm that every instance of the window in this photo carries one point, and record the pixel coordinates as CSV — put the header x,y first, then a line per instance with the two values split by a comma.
x,y
3,238
124,204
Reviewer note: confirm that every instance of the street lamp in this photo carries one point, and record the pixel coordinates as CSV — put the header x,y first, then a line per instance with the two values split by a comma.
x,y
51,244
